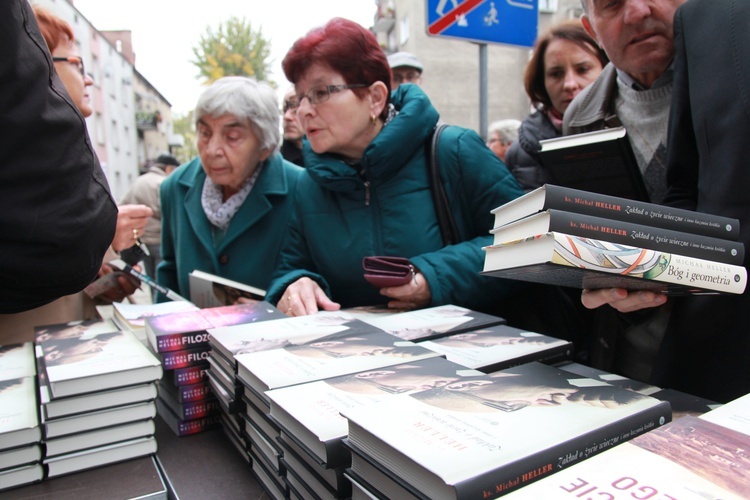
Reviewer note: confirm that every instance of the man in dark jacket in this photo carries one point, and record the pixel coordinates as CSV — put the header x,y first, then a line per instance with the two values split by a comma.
x,y
57,217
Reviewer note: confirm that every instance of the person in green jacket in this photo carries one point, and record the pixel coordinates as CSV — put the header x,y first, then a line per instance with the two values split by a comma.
x,y
225,212
366,190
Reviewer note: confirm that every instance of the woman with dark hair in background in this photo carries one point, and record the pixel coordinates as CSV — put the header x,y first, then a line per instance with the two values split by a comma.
x,y
565,60
367,191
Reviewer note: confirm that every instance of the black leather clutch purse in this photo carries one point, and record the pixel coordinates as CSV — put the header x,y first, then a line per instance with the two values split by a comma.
x,y
383,272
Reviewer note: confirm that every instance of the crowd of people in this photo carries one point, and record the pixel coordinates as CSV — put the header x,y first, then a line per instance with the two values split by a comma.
x,y
350,178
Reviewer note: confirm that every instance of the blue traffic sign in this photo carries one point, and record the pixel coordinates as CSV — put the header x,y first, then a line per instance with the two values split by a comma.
x,y
512,22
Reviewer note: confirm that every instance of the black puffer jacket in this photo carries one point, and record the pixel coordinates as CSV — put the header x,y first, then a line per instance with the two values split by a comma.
x,y
522,158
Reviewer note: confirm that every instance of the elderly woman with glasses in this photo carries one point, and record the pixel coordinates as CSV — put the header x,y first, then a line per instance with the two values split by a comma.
x,y
368,190
225,212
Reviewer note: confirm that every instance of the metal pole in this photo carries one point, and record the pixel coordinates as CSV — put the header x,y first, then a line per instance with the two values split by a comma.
x,y
483,98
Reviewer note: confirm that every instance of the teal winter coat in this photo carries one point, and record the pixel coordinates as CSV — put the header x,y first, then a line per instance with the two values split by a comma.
x,y
248,251
383,206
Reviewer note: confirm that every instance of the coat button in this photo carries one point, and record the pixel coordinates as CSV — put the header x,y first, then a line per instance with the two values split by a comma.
x,y
224,259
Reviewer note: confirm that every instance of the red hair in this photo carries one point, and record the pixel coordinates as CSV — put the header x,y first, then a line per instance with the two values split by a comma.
x,y
54,30
338,44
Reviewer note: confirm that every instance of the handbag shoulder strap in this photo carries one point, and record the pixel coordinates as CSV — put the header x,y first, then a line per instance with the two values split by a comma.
x,y
445,219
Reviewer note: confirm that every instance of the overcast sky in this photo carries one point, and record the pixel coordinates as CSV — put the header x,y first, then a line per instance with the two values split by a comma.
x,y
165,31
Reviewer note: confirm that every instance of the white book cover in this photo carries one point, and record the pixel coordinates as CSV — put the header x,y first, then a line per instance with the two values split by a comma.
x,y
61,407
484,437
99,437
98,419
97,457
687,459
17,361
76,365
311,412
735,415
19,423
325,357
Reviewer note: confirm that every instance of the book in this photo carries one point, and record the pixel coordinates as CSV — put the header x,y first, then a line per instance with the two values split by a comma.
x,y
611,207
733,415
174,360
100,419
272,482
625,233
96,361
566,260
487,437
332,480
427,323
185,393
210,290
182,427
19,423
99,437
17,361
601,161
501,346
188,375
72,405
17,457
375,481
132,317
689,458
610,378
27,474
325,357
190,410
102,455
189,329
310,412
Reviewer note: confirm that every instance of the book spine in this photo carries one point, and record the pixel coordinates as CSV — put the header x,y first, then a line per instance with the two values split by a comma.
x,y
189,393
180,341
637,235
190,375
182,359
549,357
638,212
510,477
673,269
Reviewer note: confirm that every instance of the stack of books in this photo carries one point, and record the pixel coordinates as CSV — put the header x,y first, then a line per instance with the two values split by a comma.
x,y
181,341
491,435
97,386
20,434
691,458
562,236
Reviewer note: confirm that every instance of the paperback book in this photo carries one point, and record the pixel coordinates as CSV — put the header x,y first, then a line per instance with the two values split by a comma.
x,y
209,290
488,437
689,458
311,412
567,260
501,346
551,196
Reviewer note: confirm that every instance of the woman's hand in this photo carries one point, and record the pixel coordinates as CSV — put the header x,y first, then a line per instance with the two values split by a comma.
x,y
131,219
413,295
304,297
621,299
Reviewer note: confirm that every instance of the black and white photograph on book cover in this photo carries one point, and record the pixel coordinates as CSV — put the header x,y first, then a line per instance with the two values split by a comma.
x,y
17,361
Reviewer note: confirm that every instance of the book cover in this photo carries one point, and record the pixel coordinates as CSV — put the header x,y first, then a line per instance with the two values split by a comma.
x,y
19,424
182,427
189,375
601,161
611,207
186,393
132,317
96,361
191,410
565,260
484,438
610,378
305,465
13,478
97,457
498,347
73,405
173,360
734,415
325,357
232,341
17,361
429,323
188,330
625,233
99,419
99,437
311,412
209,290
17,457
689,459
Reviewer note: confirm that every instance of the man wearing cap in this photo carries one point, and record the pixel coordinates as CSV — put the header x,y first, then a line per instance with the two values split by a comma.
x,y
145,191
405,68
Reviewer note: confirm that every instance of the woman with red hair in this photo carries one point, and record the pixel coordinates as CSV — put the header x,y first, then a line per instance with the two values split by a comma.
x,y
367,190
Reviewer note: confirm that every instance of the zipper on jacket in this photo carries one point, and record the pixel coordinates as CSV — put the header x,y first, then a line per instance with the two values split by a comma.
x,y
363,175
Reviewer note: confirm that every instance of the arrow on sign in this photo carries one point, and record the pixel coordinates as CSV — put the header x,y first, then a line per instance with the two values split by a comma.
x,y
445,22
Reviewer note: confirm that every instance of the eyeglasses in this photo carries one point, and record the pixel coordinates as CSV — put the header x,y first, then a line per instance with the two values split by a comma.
x,y
75,60
319,94
409,76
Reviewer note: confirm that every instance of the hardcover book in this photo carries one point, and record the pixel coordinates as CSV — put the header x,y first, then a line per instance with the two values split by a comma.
x,y
734,415
189,375
566,260
487,437
429,323
689,458
17,457
182,427
209,290
191,410
96,361
188,330
17,361
501,346
27,474
550,196
325,483
99,437
83,422
600,161
625,233
330,356
173,360
97,457
132,317
310,413
19,424
186,393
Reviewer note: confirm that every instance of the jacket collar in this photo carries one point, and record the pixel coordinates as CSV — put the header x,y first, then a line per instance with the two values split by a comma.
x,y
603,91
